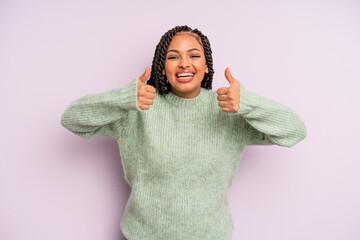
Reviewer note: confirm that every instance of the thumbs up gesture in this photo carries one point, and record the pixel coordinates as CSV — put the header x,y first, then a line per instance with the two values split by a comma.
x,y
229,97
145,93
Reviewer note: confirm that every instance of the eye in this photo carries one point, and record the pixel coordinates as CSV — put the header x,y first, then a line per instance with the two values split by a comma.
x,y
171,57
195,56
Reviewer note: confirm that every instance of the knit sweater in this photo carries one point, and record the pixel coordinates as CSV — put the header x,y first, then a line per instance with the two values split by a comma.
x,y
180,156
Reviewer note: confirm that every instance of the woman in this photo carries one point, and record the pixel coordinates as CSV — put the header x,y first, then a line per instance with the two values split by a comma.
x,y
181,142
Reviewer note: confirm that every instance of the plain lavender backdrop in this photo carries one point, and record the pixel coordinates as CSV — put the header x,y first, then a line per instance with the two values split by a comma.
x,y
305,54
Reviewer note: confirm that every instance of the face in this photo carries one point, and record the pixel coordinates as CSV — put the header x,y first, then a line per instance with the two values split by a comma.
x,y
185,65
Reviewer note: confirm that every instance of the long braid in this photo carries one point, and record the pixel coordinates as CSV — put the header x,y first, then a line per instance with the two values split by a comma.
x,y
207,82
157,79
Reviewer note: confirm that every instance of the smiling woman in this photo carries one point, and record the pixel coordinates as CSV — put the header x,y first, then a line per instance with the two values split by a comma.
x,y
180,141
182,50
185,65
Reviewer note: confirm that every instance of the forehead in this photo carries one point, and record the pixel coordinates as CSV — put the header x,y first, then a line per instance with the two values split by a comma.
x,y
185,41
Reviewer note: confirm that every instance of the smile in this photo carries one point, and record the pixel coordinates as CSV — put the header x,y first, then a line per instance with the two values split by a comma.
x,y
184,77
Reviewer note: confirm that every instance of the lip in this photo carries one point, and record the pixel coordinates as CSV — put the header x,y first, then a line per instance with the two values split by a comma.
x,y
184,71
185,80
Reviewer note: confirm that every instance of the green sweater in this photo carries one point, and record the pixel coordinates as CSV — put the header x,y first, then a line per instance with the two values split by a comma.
x,y
181,155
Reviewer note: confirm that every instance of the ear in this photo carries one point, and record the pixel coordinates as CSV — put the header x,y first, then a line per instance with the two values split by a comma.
x,y
206,69
163,72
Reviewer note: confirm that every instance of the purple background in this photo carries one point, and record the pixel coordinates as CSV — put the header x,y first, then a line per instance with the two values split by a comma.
x,y
305,54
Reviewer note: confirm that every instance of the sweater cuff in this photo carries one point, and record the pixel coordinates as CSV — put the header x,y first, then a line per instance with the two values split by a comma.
x,y
246,100
127,95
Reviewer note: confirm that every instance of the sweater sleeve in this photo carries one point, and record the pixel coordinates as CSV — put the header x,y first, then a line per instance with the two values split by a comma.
x,y
268,122
101,113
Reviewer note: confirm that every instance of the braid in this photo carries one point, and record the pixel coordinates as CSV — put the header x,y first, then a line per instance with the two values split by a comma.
x,y
207,82
157,79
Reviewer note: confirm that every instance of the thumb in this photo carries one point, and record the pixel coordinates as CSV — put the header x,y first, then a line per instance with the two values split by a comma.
x,y
145,75
228,76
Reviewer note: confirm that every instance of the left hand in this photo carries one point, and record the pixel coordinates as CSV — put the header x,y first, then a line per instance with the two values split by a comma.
x,y
229,97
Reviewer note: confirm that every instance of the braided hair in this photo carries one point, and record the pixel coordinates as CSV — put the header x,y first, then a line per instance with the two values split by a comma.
x,y
158,80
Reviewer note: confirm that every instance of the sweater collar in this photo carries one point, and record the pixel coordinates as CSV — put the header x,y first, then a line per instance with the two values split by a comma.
x,y
187,102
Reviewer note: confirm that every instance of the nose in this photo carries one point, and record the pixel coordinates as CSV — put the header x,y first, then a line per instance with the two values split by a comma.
x,y
183,63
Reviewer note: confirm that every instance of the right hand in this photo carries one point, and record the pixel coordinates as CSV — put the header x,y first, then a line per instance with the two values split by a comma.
x,y
145,93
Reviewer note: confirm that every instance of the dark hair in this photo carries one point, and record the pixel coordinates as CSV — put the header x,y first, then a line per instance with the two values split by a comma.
x,y
158,80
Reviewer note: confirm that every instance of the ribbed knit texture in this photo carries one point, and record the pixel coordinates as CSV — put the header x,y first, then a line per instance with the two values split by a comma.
x,y
181,155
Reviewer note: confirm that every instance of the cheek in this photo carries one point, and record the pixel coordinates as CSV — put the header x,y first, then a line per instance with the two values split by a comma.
x,y
169,67
201,66
169,71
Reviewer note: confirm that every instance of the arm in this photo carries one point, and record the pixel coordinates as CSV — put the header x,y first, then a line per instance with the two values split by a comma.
x,y
268,122
102,113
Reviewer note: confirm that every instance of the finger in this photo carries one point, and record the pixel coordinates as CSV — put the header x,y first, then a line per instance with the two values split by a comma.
x,y
223,90
146,101
150,88
222,104
145,75
222,97
144,107
142,94
148,95
227,110
228,76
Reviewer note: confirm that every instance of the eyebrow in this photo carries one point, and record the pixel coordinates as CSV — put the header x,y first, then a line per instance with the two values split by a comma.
x,y
192,49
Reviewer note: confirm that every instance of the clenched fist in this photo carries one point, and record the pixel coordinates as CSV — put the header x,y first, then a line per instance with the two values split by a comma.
x,y
145,93
229,97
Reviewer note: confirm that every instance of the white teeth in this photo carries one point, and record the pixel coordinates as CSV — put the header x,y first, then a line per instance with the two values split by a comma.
x,y
185,75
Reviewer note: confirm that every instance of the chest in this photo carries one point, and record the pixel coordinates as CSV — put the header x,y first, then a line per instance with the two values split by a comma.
x,y
177,144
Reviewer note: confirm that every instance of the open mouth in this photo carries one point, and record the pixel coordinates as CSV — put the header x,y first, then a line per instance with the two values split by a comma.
x,y
184,77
